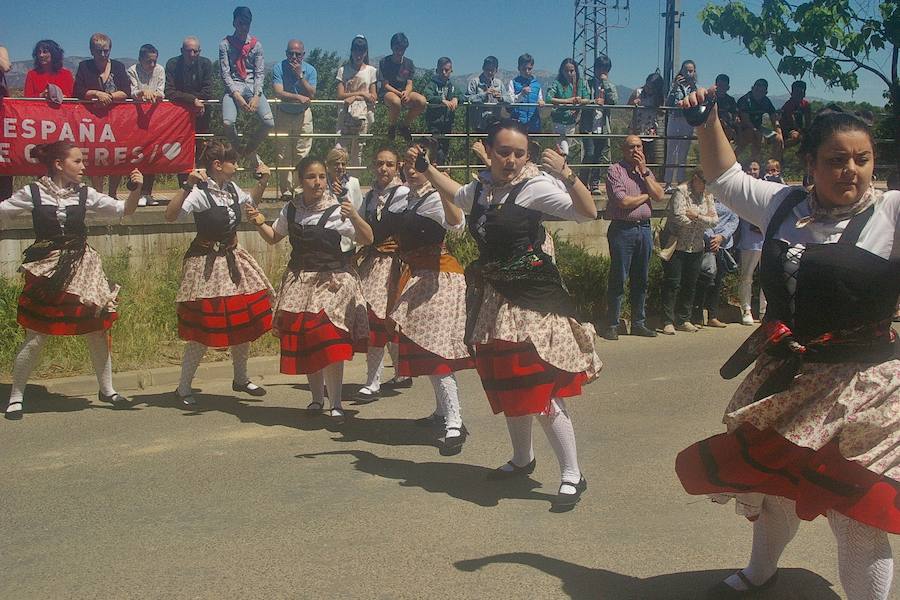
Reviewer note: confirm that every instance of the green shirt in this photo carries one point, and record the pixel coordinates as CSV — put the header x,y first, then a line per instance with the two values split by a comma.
x,y
566,115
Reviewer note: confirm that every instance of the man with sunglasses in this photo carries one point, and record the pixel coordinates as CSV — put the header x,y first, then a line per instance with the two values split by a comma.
x,y
294,81
189,82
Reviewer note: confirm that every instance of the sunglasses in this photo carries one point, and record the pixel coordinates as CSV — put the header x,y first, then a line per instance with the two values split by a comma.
x,y
296,54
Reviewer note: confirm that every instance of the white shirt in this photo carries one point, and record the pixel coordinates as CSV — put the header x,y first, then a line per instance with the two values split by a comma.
x,y
543,193
378,200
304,216
52,195
197,200
756,200
431,207
156,82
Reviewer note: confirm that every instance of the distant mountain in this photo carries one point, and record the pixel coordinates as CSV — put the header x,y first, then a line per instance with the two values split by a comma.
x,y
15,78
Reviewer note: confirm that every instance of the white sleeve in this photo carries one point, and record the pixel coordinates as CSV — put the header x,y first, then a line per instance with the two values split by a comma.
x,y
17,204
465,197
281,222
340,75
750,198
192,203
433,208
343,226
103,204
160,74
355,193
243,197
135,83
548,195
399,203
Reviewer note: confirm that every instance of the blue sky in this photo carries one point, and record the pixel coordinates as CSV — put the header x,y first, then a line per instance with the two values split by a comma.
x,y
465,30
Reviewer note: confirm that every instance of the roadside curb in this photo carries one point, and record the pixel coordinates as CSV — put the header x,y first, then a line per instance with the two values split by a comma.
x,y
83,385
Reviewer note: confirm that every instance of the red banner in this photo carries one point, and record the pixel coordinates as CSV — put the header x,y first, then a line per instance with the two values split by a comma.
x,y
154,138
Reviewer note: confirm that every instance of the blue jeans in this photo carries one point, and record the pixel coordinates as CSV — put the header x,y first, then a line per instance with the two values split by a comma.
x,y
630,247
229,119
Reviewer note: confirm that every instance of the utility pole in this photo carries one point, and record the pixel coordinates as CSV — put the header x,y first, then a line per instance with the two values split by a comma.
x,y
673,16
589,38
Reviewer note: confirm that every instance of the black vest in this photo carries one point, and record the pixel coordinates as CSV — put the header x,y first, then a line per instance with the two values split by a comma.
x,y
46,223
384,226
414,231
214,223
313,247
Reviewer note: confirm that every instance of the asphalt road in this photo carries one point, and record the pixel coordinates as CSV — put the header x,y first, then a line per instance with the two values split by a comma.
x,y
254,498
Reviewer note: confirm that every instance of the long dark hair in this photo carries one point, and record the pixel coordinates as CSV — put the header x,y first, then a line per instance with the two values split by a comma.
x,y
497,126
654,87
56,55
360,42
561,75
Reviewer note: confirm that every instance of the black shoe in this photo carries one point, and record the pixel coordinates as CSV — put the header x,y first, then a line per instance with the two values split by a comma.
x,y
404,132
13,415
366,394
500,473
116,399
248,387
396,383
610,333
569,500
642,330
723,591
392,131
454,445
188,400
432,420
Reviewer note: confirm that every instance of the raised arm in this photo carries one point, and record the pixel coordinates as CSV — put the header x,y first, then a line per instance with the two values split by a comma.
x,y
716,154
446,188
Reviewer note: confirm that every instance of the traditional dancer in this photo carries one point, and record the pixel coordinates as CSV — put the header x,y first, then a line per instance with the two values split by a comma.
x,y
430,312
814,429
66,292
529,349
379,271
224,298
321,311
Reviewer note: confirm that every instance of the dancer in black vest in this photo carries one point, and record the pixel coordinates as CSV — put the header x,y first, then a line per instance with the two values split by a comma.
x,y
530,351
224,297
379,270
321,311
66,292
814,429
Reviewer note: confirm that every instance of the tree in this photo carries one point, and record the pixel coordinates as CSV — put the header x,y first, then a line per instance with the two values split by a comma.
x,y
829,39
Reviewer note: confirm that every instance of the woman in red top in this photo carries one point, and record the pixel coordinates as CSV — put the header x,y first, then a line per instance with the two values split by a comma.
x,y
48,68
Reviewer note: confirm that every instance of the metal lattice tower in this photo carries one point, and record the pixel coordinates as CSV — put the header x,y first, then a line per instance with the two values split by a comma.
x,y
589,39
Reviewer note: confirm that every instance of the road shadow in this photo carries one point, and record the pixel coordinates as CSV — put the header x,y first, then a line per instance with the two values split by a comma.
x,y
38,399
457,480
583,583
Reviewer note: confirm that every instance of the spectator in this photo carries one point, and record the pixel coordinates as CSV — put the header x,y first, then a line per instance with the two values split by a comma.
x,y
752,106
596,150
342,185
48,70
6,181
356,87
488,89
443,99
727,106
148,84
749,244
189,82
796,115
243,72
645,120
773,171
526,89
630,186
718,240
691,212
396,73
103,80
294,82
677,149
568,89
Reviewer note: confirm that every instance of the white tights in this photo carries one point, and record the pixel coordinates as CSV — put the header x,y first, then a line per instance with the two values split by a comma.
x,y
193,354
332,377
865,564
446,399
375,365
30,353
560,433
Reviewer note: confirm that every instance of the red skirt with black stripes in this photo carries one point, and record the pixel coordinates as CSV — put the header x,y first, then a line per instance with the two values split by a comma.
x,y
518,382
59,314
225,321
310,342
414,360
750,460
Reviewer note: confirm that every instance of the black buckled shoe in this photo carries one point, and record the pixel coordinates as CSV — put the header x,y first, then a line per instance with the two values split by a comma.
x,y
248,387
452,446
431,420
567,501
116,399
188,400
396,383
502,473
14,414
723,591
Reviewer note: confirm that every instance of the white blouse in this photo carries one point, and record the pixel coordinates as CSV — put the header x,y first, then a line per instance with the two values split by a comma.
x,y
198,201
431,207
543,193
304,216
51,194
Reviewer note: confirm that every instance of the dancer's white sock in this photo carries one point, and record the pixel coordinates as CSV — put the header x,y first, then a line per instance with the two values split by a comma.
x,y
561,435
26,360
446,394
193,354
317,386
520,436
334,379
772,531
394,351
865,563
98,346
374,367
240,354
